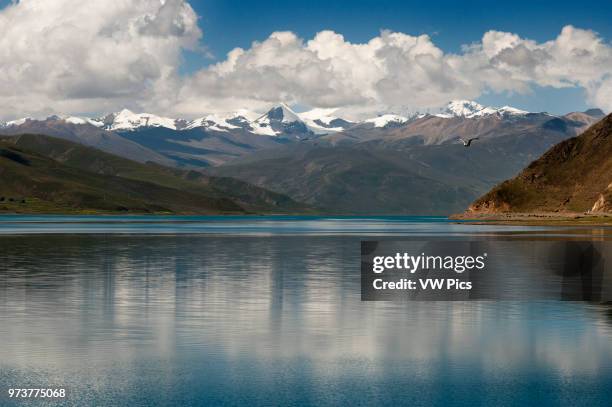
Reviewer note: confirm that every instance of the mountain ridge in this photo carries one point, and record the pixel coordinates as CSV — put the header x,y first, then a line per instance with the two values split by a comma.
x,y
317,119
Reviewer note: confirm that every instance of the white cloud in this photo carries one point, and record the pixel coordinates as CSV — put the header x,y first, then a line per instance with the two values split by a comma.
x,y
75,56
393,70
575,58
601,94
398,72
71,56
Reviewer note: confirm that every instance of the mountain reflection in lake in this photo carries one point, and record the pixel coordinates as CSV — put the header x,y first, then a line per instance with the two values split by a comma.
x,y
195,319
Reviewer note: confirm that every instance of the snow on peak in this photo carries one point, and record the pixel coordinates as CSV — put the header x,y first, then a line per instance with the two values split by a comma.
x,y
128,120
67,119
387,119
471,109
213,122
17,122
246,114
279,120
281,113
464,108
263,129
323,115
83,120
320,120
289,116
511,110
274,122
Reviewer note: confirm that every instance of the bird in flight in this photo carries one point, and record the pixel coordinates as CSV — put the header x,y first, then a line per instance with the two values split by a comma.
x,y
468,142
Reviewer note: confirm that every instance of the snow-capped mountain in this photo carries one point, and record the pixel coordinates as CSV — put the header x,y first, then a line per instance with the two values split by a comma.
x,y
68,119
284,120
223,122
281,120
470,109
213,122
278,121
387,120
214,139
126,120
319,116
466,109
16,122
282,113
324,121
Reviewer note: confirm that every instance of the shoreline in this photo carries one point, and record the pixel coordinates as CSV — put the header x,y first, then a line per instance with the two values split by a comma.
x,y
536,218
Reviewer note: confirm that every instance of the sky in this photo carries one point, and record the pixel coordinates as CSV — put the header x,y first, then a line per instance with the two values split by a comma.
x,y
187,58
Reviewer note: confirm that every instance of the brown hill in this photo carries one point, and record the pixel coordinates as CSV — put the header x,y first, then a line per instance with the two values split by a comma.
x,y
573,176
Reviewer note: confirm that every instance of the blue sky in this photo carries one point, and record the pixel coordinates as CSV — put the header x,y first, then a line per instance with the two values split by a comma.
x,y
520,72
230,23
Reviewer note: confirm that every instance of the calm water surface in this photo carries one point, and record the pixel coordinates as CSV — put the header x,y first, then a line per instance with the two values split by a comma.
x,y
267,311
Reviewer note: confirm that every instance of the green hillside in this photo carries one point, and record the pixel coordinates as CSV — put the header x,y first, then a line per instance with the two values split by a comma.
x,y
44,174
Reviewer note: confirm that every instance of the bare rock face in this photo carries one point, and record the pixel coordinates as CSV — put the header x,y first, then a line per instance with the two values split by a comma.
x,y
604,202
495,205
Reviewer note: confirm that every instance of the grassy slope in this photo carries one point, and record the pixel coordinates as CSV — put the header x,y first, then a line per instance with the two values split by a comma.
x,y
59,176
390,176
351,180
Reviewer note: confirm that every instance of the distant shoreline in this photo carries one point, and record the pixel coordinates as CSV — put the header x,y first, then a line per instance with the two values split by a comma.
x,y
536,218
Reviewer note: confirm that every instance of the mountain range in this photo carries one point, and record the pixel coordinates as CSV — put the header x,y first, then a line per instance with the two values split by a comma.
x,y
391,163
412,166
280,120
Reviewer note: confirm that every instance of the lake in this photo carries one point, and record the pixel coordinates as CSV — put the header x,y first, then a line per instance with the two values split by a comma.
x,y
143,310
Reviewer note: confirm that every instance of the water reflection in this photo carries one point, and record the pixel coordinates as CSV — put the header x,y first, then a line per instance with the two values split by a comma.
x,y
145,319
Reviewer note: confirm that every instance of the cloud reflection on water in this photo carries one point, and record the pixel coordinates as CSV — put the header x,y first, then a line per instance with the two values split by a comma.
x,y
256,309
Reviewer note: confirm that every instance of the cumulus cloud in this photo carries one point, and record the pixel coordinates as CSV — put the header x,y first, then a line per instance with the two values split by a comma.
x,y
399,72
393,70
72,56
77,56
575,58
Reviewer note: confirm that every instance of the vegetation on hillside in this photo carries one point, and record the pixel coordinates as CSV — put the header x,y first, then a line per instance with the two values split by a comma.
x,y
42,174
573,176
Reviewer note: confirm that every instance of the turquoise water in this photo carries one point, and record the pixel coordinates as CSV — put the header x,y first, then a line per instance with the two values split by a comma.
x,y
267,311
245,225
